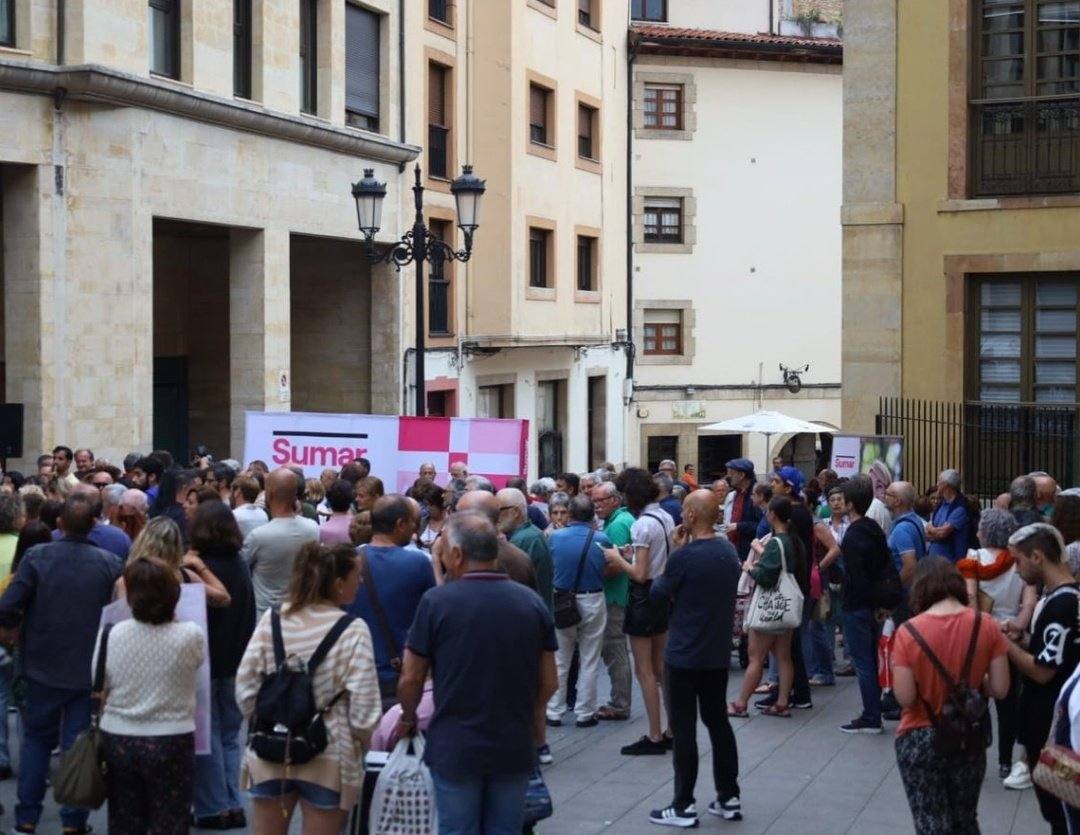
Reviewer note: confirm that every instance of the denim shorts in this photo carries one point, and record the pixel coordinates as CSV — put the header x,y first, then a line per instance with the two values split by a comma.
x,y
318,796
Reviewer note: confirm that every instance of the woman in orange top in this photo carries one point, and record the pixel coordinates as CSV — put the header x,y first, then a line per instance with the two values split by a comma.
x,y
942,790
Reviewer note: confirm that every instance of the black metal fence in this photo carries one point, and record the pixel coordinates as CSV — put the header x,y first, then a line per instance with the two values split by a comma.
x,y
989,443
1027,147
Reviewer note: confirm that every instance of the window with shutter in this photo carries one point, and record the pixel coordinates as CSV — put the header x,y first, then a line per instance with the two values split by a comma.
x,y
438,148
585,13
586,118
7,22
1026,340
538,114
439,284
164,37
539,242
663,220
309,51
586,263
361,68
663,107
242,48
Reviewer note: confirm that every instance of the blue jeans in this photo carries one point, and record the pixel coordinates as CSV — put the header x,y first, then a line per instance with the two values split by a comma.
x,y
7,674
481,805
217,774
50,714
860,638
819,649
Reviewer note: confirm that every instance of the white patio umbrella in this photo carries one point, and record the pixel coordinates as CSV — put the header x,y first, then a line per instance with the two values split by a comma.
x,y
766,423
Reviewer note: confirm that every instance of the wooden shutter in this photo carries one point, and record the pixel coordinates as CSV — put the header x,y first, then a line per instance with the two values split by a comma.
x,y
361,61
537,105
437,95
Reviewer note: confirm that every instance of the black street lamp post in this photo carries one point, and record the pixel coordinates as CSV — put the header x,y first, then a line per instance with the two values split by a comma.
x,y
417,245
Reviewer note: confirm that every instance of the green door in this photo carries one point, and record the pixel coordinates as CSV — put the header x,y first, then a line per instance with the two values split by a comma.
x,y
171,406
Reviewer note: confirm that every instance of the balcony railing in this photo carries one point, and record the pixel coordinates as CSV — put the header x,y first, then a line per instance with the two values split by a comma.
x,y
438,151
1026,147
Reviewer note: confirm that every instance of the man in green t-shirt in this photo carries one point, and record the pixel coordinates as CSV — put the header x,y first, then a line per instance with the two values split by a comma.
x,y
617,521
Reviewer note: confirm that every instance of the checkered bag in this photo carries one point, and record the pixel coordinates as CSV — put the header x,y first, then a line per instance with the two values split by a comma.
x,y
404,799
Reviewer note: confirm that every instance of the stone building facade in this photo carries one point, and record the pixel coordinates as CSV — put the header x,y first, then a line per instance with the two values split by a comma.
x,y
736,245
961,205
179,238
533,92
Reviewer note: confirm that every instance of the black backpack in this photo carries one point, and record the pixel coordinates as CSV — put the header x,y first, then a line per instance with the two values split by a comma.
x,y
959,729
287,726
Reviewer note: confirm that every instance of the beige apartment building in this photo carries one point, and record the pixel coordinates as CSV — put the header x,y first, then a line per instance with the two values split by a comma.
x,y
533,94
179,239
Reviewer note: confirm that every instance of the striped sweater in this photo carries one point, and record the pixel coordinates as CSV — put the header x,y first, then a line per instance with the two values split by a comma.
x,y
349,667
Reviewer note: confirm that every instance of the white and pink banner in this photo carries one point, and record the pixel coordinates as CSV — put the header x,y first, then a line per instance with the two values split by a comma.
x,y
395,446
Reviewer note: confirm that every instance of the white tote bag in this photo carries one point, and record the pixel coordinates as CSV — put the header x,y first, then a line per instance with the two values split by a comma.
x,y
780,608
404,798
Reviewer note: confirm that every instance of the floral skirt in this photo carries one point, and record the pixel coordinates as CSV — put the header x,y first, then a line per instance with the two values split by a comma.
x,y
151,781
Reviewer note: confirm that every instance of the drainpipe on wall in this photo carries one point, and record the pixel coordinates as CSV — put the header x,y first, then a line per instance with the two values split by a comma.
x,y
401,74
630,55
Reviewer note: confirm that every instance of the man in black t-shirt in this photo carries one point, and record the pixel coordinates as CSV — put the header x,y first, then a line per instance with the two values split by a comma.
x,y
1048,655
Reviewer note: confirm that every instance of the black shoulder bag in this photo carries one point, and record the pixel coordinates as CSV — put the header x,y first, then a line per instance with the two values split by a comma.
x,y
566,611
960,727
384,625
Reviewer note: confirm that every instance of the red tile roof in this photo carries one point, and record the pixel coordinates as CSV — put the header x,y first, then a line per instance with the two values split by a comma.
x,y
654,32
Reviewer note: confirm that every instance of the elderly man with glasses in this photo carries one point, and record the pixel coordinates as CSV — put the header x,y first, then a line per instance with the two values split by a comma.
x,y
616,520
515,525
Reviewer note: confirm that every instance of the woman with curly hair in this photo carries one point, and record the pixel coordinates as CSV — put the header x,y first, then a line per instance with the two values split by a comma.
x,y
646,619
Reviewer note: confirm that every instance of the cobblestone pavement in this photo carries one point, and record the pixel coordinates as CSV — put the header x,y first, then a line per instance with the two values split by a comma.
x,y
799,775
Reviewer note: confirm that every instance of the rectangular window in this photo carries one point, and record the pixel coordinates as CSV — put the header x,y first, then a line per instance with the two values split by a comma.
x,y
539,245
495,401
1026,340
586,263
1026,108
361,68
164,37
242,48
438,150
663,332
648,10
439,283
439,10
663,221
550,423
663,106
309,56
7,22
585,13
586,130
539,112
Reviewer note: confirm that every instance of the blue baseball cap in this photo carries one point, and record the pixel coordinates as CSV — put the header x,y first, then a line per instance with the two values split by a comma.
x,y
792,477
743,465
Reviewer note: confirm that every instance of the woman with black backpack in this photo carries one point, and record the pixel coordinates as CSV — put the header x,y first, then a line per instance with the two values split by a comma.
x,y
947,661
308,688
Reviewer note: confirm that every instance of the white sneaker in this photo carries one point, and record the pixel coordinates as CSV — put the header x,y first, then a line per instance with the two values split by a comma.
x,y
1019,778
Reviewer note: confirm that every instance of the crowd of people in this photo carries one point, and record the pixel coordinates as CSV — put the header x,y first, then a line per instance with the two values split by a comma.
x,y
484,615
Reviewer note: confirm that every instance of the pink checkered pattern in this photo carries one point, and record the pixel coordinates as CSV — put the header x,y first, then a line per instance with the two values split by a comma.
x,y
488,447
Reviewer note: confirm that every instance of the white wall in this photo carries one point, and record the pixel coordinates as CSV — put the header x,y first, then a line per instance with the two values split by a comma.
x,y
764,276
750,16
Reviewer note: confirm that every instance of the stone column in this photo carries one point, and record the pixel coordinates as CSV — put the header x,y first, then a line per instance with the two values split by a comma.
x,y
872,220
387,341
30,337
259,325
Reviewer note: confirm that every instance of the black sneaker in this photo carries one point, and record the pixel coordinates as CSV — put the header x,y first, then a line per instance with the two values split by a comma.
x,y
767,701
591,722
891,715
670,816
861,726
644,747
554,723
802,705
729,810
669,743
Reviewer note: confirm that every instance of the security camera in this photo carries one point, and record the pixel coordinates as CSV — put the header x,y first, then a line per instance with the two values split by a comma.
x,y
793,378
